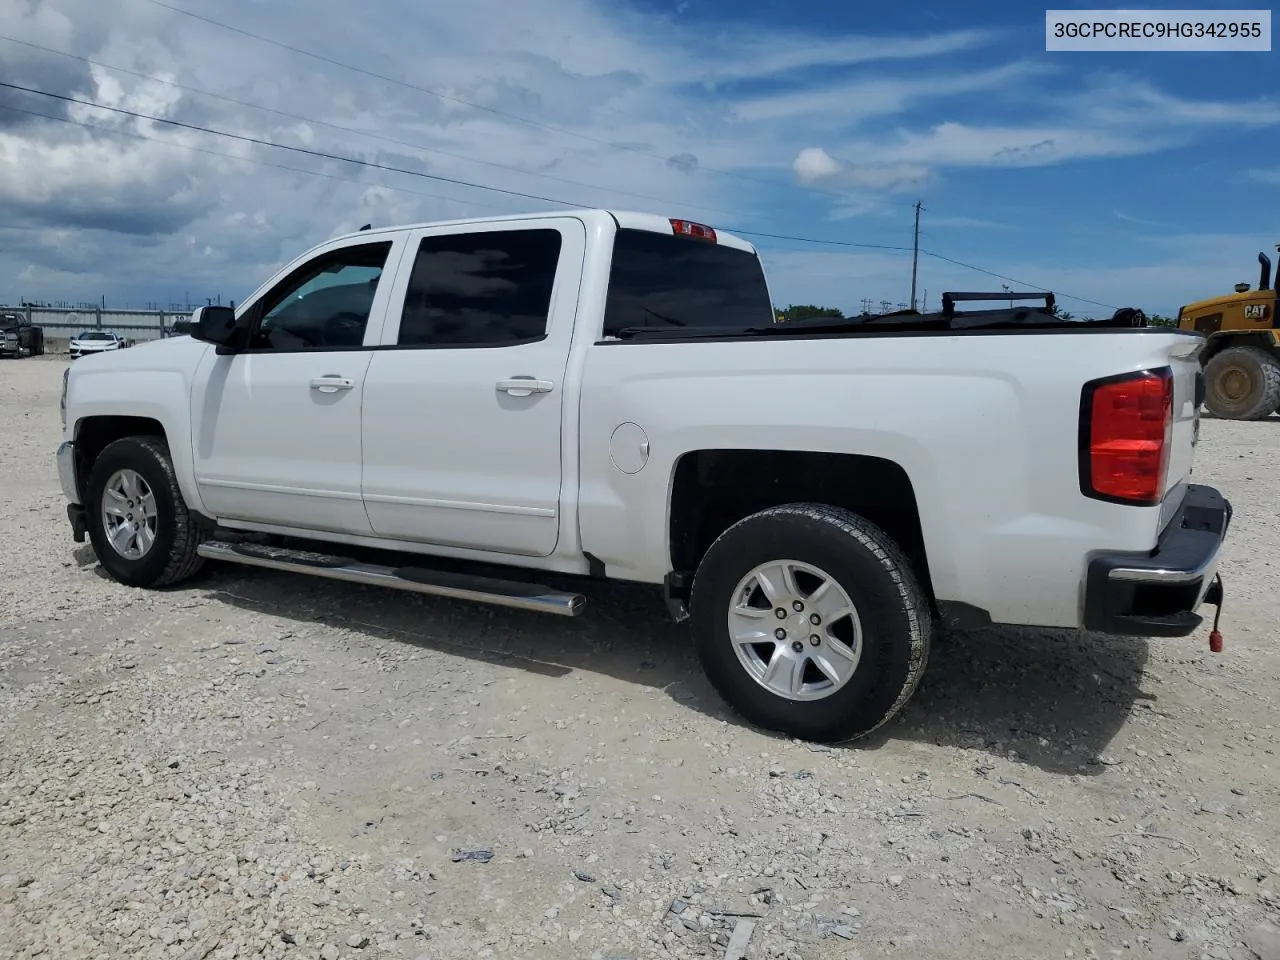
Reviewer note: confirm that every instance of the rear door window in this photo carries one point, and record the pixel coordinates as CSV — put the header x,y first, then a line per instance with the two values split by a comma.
x,y
486,289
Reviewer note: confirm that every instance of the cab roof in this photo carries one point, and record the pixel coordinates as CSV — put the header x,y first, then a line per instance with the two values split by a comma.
x,y
627,219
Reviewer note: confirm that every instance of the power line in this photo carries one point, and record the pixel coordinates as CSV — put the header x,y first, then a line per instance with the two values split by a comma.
x,y
251,160
461,101
381,166
927,253
1023,283
350,130
244,138
827,243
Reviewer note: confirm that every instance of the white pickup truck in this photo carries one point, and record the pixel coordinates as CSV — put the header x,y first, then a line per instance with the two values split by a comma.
x,y
467,408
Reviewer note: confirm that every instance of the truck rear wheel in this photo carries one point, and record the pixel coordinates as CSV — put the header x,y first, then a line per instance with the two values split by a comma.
x,y
1242,383
141,530
809,620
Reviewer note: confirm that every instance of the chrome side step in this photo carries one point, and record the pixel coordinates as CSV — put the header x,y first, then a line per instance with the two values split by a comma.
x,y
439,583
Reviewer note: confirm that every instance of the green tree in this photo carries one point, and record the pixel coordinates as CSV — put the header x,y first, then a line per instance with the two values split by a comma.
x,y
808,311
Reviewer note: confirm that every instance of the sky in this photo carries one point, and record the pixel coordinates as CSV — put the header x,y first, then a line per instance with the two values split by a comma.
x,y
1114,179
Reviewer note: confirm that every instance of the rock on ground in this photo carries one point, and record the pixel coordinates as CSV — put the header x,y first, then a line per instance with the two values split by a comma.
x,y
263,765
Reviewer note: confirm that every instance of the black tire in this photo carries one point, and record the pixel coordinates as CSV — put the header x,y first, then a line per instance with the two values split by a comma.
x,y
1242,383
877,577
172,556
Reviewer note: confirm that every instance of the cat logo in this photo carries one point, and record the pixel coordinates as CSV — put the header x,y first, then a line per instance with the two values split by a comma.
x,y
1255,311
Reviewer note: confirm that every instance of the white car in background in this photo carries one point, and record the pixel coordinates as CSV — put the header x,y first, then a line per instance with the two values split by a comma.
x,y
95,341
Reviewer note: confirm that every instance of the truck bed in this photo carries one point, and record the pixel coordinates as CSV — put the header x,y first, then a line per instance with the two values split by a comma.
x,y
985,422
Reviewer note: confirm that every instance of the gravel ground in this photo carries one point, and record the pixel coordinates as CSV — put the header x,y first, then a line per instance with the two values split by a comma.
x,y
263,765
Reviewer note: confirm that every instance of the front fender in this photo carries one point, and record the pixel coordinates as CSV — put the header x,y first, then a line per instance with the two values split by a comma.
x,y
163,396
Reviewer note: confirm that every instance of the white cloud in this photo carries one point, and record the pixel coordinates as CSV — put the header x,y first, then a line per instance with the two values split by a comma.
x,y
97,183
628,110
1264,174
1119,100
741,54
618,104
604,77
848,102
813,164
1141,221
959,144
1107,117
853,206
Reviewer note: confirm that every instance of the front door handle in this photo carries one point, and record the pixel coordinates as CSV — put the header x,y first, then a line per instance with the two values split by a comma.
x,y
524,386
332,383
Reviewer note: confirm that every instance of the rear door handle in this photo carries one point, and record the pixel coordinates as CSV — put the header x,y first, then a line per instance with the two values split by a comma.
x,y
524,386
332,383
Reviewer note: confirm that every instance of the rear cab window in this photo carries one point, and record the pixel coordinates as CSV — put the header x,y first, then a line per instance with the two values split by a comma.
x,y
665,282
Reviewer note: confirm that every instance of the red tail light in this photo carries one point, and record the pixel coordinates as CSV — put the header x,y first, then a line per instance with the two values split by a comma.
x,y
697,231
1126,424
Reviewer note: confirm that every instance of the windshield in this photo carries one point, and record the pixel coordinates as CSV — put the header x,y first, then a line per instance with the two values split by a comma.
x,y
92,335
661,282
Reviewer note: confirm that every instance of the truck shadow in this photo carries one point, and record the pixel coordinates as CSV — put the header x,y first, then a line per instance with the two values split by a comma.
x,y
1054,699
1051,699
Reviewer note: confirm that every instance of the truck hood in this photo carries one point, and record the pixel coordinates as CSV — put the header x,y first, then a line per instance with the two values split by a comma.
x,y
171,353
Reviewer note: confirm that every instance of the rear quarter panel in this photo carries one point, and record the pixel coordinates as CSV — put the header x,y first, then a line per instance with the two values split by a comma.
x,y
985,426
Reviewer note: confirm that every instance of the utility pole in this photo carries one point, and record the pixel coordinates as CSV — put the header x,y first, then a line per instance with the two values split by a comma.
x,y
915,256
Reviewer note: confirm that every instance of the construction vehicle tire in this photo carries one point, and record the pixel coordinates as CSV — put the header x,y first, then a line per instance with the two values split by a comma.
x,y
1242,383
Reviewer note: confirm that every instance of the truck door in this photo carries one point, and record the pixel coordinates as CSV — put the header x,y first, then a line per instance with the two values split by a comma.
x,y
465,401
276,428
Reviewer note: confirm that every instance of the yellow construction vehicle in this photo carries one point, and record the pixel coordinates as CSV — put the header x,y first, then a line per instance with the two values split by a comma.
x,y
1242,358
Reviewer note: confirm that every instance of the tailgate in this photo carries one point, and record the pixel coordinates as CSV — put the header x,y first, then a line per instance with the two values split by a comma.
x,y
1183,357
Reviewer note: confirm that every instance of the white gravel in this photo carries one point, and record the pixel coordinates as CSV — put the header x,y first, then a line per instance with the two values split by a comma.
x,y
261,765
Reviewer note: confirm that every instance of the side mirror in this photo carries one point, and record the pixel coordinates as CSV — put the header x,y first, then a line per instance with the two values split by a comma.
x,y
215,325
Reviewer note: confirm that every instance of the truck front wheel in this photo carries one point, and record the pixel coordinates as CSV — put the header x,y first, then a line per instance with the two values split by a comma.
x,y
809,620
141,530
1242,383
